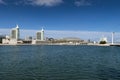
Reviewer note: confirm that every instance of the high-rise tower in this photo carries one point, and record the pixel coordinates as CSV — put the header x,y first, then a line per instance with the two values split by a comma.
x,y
40,35
15,33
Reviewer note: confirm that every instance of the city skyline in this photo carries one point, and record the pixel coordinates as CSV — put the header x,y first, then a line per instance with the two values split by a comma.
x,y
60,34
68,15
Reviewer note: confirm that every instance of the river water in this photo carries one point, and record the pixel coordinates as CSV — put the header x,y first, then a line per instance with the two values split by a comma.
x,y
59,63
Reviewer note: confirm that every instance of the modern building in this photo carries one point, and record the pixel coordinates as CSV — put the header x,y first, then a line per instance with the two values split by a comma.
x,y
15,33
40,35
14,37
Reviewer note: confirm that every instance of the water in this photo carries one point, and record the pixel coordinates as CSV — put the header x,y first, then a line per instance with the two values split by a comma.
x,y
59,63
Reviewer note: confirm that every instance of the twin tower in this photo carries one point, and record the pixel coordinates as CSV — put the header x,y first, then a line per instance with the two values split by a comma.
x,y
15,34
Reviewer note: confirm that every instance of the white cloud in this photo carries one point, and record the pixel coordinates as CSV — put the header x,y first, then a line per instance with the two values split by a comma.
x,y
79,3
48,3
2,2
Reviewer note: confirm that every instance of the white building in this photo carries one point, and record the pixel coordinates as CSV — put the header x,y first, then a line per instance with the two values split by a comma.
x,y
40,35
6,40
14,37
15,33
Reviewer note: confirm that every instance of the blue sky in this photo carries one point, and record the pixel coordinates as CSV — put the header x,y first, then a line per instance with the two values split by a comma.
x,y
87,19
87,15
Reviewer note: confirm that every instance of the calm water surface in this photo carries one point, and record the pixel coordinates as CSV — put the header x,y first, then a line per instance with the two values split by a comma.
x,y
59,63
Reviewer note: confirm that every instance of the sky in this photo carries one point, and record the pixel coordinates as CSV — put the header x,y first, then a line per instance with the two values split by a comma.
x,y
61,15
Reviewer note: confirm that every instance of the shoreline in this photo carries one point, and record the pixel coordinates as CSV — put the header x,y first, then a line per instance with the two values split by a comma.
x,y
59,44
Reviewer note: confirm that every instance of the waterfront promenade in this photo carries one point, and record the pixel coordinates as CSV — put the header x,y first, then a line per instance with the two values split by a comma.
x,y
89,44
